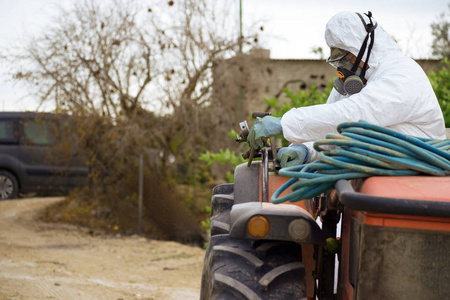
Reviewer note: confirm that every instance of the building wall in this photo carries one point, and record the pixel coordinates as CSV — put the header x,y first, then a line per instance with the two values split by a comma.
x,y
248,80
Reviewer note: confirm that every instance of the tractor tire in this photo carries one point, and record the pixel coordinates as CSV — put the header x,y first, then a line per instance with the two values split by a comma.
x,y
221,202
245,269
9,186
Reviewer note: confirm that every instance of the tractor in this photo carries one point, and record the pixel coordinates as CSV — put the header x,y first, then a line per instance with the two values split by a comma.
x,y
375,237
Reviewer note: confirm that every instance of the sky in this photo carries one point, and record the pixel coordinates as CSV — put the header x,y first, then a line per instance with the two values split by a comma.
x,y
292,28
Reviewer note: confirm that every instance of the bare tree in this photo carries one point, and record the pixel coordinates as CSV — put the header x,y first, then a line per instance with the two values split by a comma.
x,y
192,35
138,76
441,35
91,59
114,58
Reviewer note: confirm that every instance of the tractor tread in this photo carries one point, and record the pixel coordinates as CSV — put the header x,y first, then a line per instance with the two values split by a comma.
x,y
234,269
267,246
221,203
244,254
225,189
219,227
270,276
236,285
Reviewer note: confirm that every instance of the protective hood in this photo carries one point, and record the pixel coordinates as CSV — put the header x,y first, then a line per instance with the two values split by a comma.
x,y
346,31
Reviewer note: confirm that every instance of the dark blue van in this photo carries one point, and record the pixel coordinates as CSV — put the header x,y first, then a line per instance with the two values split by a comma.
x,y
39,153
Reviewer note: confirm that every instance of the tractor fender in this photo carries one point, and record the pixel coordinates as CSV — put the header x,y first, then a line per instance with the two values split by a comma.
x,y
280,217
246,183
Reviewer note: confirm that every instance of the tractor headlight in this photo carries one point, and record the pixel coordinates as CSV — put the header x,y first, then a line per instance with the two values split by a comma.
x,y
299,229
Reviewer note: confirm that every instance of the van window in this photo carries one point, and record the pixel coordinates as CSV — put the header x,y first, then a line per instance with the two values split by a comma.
x,y
37,132
7,134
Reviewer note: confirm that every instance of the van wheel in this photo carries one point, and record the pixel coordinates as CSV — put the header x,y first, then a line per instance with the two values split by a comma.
x,y
9,187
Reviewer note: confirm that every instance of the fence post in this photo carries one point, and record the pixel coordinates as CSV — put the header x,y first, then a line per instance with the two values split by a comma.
x,y
141,192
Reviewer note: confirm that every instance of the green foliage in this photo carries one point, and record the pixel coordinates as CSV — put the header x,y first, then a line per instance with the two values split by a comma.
x,y
223,158
232,134
311,96
318,51
440,81
206,224
440,31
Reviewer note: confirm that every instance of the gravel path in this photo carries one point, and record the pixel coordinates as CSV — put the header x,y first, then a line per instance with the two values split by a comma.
x,y
56,261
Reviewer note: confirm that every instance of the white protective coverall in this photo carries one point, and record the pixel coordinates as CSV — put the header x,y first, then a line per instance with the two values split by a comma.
x,y
398,94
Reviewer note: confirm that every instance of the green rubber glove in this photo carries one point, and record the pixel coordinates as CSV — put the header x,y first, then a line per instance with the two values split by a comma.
x,y
264,127
293,155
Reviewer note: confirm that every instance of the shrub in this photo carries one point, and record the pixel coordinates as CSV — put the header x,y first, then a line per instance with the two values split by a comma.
x,y
440,81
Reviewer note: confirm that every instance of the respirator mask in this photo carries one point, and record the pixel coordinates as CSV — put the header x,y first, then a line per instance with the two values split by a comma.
x,y
350,75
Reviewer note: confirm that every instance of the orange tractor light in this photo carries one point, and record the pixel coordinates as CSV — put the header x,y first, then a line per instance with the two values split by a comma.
x,y
258,226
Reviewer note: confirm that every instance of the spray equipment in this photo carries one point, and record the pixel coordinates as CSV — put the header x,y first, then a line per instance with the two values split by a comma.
x,y
268,142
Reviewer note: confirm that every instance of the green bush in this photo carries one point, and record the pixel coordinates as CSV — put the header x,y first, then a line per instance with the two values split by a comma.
x,y
302,98
223,158
440,81
311,96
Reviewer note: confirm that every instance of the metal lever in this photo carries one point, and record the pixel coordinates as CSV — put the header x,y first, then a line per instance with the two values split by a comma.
x,y
274,153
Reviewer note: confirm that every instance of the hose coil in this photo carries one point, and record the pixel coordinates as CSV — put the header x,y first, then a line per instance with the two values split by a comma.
x,y
360,150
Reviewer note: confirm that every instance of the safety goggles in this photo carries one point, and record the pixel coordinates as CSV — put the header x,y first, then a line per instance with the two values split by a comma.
x,y
337,55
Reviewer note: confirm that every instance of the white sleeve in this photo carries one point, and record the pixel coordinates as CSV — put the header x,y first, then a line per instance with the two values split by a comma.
x,y
393,100
398,95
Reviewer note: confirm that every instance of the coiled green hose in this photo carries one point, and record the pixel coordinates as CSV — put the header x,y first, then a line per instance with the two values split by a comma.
x,y
363,150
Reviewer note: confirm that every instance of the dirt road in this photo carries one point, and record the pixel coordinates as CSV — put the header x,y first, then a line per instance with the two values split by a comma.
x,y
54,261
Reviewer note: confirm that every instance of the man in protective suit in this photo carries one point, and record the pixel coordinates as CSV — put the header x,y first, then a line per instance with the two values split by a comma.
x,y
376,83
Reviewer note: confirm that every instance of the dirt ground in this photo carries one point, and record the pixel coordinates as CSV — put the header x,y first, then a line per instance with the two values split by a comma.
x,y
55,261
